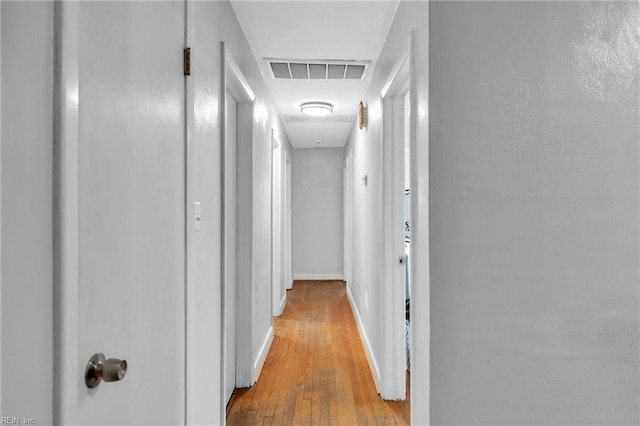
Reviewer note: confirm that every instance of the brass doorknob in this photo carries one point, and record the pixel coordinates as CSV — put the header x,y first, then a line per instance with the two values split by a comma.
x,y
99,369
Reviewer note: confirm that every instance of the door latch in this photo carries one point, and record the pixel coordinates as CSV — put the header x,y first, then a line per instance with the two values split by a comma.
x,y
99,369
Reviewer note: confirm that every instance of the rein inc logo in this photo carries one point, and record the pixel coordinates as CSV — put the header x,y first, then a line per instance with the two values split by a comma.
x,y
6,420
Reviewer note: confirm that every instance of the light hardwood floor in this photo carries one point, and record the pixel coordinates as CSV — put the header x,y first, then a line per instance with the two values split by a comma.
x,y
316,372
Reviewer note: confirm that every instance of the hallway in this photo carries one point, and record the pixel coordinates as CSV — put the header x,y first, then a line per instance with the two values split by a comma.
x,y
170,168
316,371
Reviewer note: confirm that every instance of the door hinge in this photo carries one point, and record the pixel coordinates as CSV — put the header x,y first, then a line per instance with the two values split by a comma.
x,y
186,61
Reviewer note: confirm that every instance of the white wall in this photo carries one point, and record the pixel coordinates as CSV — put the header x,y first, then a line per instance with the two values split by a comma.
x,y
317,213
209,24
27,158
364,150
534,192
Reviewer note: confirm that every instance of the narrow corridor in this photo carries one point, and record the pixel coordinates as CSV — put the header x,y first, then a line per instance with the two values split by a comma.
x,y
316,371
170,168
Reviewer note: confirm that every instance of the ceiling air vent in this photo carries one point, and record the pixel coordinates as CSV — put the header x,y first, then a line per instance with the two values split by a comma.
x,y
317,69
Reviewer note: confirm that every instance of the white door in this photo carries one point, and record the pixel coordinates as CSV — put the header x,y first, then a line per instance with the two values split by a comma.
x,y
122,211
230,208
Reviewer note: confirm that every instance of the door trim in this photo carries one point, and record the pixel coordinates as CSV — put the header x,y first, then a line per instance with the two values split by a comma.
x,y
278,295
288,274
397,86
229,227
65,214
234,81
348,229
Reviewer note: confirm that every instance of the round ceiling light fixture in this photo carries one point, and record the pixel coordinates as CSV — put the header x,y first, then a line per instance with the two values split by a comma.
x,y
316,109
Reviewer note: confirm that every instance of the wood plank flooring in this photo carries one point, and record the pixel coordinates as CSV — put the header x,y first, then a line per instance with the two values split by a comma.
x,y
316,372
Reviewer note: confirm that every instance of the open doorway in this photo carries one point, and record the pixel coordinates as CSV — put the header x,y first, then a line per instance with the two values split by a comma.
x,y
237,135
348,230
230,240
407,226
278,289
288,271
397,116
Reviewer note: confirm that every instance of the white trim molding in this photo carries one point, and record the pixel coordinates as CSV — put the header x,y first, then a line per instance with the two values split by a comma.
x,y
373,364
283,303
234,81
262,355
319,277
395,119
66,215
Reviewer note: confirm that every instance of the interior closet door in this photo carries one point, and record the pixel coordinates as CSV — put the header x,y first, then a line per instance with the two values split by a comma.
x,y
122,211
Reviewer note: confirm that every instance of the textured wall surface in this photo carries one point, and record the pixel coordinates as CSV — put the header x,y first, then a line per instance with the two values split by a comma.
x,y
534,212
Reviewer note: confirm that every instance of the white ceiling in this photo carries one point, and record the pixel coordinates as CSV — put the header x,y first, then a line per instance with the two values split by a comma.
x,y
320,30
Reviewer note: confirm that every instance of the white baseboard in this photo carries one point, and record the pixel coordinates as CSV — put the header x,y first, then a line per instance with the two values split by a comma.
x,y
283,303
262,355
319,277
373,365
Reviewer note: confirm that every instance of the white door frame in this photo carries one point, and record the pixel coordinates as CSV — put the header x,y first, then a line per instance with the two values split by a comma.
x,y
229,254
288,273
278,293
66,223
393,372
283,224
348,228
345,221
234,81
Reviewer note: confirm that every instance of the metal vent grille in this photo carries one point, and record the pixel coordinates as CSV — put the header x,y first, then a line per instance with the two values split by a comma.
x,y
317,69
333,118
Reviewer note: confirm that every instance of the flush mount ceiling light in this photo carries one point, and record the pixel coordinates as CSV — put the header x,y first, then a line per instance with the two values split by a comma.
x,y
316,109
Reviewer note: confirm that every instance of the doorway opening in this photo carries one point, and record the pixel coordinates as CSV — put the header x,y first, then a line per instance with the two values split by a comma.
x,y
278,231
288,270
230,240
236,238
407,227
398,175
